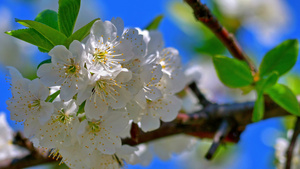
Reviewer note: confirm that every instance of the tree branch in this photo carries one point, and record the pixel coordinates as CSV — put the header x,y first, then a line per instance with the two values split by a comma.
x,y
290,150
203,14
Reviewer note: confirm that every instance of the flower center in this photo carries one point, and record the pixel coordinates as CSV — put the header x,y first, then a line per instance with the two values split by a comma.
x,y
95,126
100,55
33,104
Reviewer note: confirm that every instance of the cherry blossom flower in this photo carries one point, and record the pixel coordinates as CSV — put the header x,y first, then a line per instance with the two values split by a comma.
x,y
66,70
28,102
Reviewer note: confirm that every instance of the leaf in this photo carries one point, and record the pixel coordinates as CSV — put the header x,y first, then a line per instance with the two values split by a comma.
x,y
33,37
285,98
266,83
155,23
67,14
232,72
43,62
81,33
54,36
281,59
81,108
52,97
48,17
259,108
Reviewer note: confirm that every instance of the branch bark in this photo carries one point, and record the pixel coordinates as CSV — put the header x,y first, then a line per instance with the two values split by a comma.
x,y
203,14
290,150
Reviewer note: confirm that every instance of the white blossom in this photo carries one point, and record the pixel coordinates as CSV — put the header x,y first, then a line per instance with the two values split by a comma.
x,y
104,91
108,46
28,102
67,69
8,151
62,128
102,135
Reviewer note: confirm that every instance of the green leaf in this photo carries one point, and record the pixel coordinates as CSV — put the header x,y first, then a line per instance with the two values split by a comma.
x,y
67,14
81,108
232,72
48,17
259,107
266,83
81,33
54,36
43,62
285,98
52,97
33,37
281,59
155,23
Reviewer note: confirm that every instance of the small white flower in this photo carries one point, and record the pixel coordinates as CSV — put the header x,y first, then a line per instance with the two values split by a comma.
x,y
67,69
165,109
28,102
102,135
104,91
8,151
108,47
61,129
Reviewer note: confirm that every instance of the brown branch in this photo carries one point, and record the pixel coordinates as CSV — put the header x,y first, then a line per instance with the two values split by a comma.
x,y
222,132
203,14
290,150
202,99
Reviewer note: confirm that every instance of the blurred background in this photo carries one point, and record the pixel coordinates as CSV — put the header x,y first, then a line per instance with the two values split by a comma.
x,y
258,25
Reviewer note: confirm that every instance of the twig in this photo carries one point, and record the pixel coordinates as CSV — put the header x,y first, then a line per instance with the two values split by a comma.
x,y
290,150
223,130
203,14
202,99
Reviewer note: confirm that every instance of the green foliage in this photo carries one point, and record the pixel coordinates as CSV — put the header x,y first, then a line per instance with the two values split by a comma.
x,y
67,14
43,62
54,36
49,18
259,107
51,28
285,98
33,37
155,23
53,96
81,33
266,83
232,72
281,59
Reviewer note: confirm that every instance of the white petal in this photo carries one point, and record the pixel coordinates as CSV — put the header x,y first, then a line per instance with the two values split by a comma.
x,y
152,93
119,24
148,123
106,30
38,89
14,74
45,112
60,55
116,120
170,108
49,74
156,42
124,76
95,108
68,90
77,48
140,98
119,100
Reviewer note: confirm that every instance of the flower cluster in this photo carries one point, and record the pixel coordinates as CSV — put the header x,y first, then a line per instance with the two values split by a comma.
x,y
84,99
